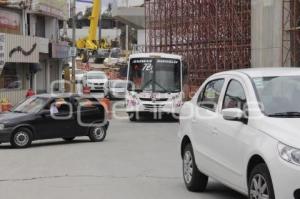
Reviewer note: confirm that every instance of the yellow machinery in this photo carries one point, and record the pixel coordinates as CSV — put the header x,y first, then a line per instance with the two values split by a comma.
x,y
90,44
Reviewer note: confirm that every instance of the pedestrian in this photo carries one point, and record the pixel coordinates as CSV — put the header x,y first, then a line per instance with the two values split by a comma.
x,y
30,93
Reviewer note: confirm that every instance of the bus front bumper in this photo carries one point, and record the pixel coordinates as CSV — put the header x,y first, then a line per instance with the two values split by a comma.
x,y
148,107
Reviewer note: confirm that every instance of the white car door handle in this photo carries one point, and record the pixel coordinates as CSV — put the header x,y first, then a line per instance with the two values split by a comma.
x,y
215,131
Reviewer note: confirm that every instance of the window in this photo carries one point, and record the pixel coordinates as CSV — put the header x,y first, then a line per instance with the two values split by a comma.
x,y
235,96
40,26
209,97
86,103
60,105
11,76
31,105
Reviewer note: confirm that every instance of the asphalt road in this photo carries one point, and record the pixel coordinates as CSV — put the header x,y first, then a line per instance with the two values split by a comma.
x,y
138,160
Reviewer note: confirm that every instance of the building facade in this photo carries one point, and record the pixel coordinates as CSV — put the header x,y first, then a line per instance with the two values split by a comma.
x,y
132,14
32,53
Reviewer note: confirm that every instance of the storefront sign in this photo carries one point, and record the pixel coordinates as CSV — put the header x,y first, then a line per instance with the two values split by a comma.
x,y
59,51
2,50
56,8
43,44
15,3
73,52
10,21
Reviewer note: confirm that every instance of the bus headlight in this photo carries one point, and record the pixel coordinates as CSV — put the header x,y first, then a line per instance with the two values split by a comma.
x,y
132,100
175,97
177,100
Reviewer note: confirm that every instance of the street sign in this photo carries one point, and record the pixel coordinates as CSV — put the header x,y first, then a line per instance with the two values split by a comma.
x,y
73,52
2,50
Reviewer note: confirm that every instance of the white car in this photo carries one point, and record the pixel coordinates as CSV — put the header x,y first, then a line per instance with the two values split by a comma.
x,y
242,128
117,89
114,58
97,81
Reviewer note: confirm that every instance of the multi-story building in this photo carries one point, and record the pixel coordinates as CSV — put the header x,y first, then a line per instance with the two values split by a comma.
x,y
32,53
131,13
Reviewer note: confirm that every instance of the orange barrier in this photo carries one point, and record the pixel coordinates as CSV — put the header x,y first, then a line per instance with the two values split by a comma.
x,y
5,107
86,90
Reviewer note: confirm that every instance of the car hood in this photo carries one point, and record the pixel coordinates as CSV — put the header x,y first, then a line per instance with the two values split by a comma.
x,y
285,130
97,80
12,117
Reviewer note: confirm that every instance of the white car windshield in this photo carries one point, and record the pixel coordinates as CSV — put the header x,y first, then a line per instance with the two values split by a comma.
x,y
96,76
118,84
279,96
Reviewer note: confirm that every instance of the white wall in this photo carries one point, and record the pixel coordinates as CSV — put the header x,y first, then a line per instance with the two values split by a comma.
x,y
109,34
32,25
141,37
130,3
266,39
51,25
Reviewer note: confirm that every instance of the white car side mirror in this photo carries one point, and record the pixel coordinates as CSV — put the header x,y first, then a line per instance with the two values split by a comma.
x,y
234,114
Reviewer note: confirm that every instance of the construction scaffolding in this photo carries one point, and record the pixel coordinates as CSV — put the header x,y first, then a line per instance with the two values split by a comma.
x,y
291,33
212,35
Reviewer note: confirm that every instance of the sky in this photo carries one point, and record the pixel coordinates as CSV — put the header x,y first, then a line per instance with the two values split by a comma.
x,y
82,6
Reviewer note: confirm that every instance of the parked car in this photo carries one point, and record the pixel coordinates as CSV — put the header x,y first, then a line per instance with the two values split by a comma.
x,y
242,128
115,58
101,55
117,89
97,81
53,116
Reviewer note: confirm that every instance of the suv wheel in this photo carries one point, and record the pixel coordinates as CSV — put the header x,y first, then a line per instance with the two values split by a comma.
x,y
195,181
97,134
21,138
260,183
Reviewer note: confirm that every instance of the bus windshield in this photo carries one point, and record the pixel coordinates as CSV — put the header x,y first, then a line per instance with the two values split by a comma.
x,y
155,75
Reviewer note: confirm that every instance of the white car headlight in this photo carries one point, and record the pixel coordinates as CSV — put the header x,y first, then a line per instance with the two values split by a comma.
x,y
2,126
289,154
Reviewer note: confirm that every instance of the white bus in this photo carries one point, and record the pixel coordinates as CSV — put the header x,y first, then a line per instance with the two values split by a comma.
x,y
155,84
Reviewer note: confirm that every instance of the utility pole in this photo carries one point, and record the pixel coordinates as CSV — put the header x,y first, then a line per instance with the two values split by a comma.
x,y
100,23
127,33
73,43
